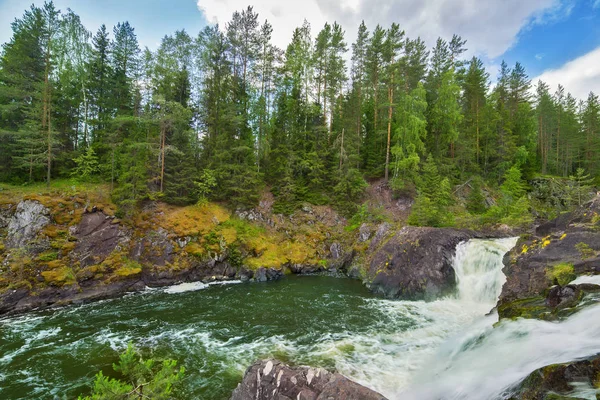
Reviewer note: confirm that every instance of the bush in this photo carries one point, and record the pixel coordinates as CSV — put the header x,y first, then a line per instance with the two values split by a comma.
x,y
147,379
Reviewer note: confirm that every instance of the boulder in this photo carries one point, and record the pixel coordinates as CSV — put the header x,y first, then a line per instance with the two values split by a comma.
x,y
416,263
272,379
28,220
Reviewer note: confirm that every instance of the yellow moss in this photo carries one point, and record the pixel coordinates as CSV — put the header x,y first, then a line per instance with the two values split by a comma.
x,y
524,249
68,247
129,269
192,220
563,236
229,234
60,277
53,231
257,245
298,253
195,249
545,243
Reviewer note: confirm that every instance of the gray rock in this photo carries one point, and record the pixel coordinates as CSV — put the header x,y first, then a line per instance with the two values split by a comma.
x,y
261,275
6,213
336,250
273,380
416,263
155,248
29,219
382,231
364,233
97,237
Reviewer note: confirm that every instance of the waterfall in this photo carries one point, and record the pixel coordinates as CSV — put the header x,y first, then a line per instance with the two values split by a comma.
x,y
486,360
478,267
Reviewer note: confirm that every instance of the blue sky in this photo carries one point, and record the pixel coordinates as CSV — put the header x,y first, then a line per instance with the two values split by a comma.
x,y
557,40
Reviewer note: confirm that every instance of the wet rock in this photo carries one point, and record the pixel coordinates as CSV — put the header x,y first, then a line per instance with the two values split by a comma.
x,y
260,275
364,233
564,297
273,380
29,219
558,381
97,237
416,263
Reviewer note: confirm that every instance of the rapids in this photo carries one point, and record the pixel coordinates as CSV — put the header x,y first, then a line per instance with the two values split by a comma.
x,y
445,349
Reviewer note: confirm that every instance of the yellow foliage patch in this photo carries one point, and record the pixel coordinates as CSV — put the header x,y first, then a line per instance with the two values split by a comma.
x,y
129,269
61,276
195,249
192,220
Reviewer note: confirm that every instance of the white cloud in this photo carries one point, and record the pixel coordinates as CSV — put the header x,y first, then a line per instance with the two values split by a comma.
x,y
490,29
579,76
539,56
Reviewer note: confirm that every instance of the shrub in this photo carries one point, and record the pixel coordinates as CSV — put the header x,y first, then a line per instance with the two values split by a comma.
x,y
139,379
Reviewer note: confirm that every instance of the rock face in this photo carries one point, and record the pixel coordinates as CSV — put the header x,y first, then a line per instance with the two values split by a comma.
x,y
416,263
557,381
29,219
572,239
97,237
273,380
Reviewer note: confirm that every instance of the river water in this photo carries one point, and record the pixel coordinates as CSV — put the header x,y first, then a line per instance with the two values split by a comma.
x,y
444,349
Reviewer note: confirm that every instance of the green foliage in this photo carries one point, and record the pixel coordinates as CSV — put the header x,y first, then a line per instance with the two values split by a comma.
x,y
206,184
86,166
476,201
364,215
226,114
138,378
561,274
580,187
434,197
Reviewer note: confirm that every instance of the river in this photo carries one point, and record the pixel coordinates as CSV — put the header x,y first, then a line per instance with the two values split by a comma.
x,y
403,349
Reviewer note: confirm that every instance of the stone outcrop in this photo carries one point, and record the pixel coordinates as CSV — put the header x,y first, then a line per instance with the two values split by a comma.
x,y
28,220
572,239
416,263
274,380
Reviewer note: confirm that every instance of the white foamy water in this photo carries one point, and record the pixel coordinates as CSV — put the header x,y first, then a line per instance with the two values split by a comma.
x,y
193,286
593,279
389,363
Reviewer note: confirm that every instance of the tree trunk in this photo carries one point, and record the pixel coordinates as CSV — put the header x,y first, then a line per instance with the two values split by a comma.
x,y
389,131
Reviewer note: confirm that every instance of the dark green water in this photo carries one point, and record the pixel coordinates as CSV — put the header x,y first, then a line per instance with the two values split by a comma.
x,y
215,332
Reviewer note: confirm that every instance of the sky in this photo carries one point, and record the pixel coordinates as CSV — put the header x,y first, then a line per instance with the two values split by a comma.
x,y
557,41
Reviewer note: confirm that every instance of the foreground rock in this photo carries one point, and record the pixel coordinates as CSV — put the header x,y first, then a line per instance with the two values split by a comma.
x,y
570,243
416,263
271,379
560,381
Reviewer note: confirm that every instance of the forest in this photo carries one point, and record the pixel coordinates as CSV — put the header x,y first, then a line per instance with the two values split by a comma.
x,y
225,115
